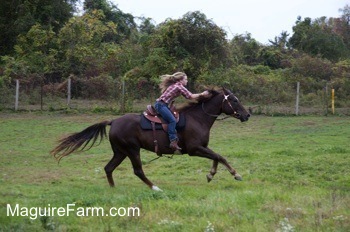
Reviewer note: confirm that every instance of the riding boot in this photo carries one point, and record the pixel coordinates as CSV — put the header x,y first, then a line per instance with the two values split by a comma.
x,y
174,146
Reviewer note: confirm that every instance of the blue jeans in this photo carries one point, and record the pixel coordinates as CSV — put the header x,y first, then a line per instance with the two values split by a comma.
x,y
163,109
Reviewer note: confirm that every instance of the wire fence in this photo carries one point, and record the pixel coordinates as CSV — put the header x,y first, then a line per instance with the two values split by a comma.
x,y
116,96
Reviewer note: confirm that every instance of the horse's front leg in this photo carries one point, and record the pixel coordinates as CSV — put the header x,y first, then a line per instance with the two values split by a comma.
x,y
212,172
209,154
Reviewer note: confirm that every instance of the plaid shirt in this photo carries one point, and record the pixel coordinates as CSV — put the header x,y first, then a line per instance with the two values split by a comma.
x,y
174,91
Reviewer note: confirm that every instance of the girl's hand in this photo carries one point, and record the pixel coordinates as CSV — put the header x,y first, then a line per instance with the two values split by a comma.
x,y
205,93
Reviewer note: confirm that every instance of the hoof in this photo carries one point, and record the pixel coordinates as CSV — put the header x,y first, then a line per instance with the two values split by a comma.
x,y
238,177
209,177
155,188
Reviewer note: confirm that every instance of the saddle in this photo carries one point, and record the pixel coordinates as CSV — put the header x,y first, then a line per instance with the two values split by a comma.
x,y
151,120
151,114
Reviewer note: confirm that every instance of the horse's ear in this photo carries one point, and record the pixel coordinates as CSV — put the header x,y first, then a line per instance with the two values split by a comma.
x,y
226,91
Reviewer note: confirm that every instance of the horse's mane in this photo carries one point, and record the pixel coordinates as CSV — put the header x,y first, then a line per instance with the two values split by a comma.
x,y
213,92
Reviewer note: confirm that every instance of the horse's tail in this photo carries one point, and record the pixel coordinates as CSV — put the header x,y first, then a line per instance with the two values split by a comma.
x,y
74,141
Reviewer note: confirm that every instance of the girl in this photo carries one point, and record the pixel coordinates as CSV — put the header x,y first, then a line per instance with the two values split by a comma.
x,y
171,87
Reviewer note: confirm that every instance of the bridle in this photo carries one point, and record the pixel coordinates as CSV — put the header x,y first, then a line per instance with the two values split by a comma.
x,y
225,99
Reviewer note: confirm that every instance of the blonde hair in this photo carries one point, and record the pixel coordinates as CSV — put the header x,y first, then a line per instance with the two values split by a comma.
x,y
167,80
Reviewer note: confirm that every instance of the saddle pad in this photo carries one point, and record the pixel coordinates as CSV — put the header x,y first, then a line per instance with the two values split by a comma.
x,y
146,124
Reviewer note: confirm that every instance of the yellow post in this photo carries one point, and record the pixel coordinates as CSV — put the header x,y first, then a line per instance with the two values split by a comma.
x,y
333,101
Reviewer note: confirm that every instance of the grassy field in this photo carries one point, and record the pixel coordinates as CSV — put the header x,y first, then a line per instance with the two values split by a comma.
x,y
296,177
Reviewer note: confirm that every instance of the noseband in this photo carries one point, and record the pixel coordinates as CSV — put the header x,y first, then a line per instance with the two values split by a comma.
x,y
226,97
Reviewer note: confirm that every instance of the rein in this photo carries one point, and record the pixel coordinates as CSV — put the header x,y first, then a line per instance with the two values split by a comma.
x,y
234,114
160,156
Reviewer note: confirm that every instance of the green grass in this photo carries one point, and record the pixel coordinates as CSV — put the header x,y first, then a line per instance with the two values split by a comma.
x,y
295,178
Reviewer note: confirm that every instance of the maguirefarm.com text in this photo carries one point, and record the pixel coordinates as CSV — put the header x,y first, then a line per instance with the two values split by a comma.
x,y
70,209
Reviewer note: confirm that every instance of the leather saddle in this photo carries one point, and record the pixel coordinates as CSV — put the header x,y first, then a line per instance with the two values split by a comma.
x,y
151,114
151,120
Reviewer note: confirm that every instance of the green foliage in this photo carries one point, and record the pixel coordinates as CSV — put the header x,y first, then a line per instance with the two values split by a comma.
x,y
245,50
17,17
123,23
13,68
193,42
81,44
158,61
280,42
96,87
260,84
37,49
342,25
272,57
34,54
317,38
317,68
43,43
341,80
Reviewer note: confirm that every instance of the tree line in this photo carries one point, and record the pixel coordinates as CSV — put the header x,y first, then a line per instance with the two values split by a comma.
x,y
44,41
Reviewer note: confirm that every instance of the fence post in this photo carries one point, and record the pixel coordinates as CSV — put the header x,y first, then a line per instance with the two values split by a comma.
x,y
333,109
297,99
17,95
41,96
326,99
122,106
69,85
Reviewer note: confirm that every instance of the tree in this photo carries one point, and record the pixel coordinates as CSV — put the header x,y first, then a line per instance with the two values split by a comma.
x,y
280,42
345,14
34,58
245,49
18,16
82,47
341,26
317,38
271,56
125,24
314,67
147,26
194,43
146,29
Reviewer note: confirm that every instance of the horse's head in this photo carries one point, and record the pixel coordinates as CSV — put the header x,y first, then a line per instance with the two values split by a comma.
x,y
232,106
219,101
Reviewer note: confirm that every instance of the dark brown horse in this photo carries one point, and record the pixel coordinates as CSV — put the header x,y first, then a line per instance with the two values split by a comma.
x,y
127,137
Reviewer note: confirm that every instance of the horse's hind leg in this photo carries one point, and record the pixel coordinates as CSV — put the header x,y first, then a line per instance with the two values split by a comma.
x,y
117,159
137,166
